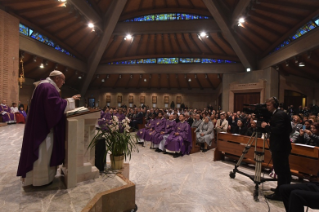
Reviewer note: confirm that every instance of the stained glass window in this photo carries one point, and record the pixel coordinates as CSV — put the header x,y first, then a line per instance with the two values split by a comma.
x,y
300,32
173,60
39,37
167,17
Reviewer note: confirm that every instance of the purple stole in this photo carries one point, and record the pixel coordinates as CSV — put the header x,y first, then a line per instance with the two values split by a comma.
x,y
157,137
8,116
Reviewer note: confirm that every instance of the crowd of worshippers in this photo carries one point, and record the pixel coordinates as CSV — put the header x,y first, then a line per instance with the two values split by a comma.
x,y
14,114
168,132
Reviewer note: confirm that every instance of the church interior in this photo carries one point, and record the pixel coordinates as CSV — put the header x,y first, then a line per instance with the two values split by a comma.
x,y
174,57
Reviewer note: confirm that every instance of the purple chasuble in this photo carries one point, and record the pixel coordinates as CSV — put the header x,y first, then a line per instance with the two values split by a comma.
x,y
181,142
157,137
149,133
46,112
141,132
8,116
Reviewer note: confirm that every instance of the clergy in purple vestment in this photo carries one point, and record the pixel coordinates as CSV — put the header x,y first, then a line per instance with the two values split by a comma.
x,y
5,112
142,132
120,117
159,129
43,146
21,110
180,141
169,127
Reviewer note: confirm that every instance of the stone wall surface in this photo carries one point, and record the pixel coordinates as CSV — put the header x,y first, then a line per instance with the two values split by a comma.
x,y
9,58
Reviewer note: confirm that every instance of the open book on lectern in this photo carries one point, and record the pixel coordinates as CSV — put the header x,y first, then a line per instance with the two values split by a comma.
x,y
76,111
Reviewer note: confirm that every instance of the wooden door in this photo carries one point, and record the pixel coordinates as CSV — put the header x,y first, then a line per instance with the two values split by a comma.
x,y
245,98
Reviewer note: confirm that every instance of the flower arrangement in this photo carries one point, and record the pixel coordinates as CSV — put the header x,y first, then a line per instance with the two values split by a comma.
x,y
118,139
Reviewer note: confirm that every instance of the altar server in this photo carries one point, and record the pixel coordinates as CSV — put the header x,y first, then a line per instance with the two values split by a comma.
x,y
19,117
43,147
6,114
180,141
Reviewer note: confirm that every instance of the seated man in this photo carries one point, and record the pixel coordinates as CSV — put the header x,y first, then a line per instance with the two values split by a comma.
x,y
15,110
180,140
138,119
104,121
144,134
188,119
159,128
205,133
197,121
296,196
7,116
169,127
253,128
239,129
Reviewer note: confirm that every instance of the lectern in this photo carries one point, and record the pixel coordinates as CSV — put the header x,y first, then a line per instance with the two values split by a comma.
x,y
79,164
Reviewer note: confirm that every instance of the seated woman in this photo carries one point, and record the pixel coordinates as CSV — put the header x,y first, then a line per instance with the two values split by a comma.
x,y
309,137
205,133
239,129
15,110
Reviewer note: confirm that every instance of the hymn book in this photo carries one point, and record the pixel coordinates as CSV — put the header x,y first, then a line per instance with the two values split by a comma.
x,y
76,111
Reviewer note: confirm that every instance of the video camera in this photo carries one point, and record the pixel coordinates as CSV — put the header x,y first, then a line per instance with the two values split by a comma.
x,y
260,111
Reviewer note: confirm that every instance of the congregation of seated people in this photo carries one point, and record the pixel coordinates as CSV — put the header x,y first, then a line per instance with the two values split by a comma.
x,y
14,114
159,125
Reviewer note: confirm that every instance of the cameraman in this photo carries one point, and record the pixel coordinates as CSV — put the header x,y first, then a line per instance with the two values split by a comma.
x,y
279,129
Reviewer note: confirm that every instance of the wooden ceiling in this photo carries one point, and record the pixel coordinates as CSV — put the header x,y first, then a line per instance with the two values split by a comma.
x,y
268,23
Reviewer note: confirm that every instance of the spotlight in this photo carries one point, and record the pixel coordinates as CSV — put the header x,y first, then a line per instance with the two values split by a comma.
x,y
66,69
35,59
287,63
91,25
203,34
128,37
103,80
62,0
46,63
97,76
80,77
301,64
145,80
107,76
277,68
189,80
131,76
41,66
241,21
120,76
56,66
248,69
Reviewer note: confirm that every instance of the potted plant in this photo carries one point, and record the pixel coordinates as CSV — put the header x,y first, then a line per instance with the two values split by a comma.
x,y
119,142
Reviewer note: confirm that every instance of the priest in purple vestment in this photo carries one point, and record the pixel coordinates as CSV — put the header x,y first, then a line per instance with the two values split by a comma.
x,y
159,129
179,141
43,147
6,114
169,127
143,132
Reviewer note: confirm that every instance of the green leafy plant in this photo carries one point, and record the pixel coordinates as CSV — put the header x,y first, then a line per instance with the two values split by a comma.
x,y
118,139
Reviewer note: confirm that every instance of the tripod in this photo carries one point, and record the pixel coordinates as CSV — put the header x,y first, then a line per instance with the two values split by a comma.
x,y
259,158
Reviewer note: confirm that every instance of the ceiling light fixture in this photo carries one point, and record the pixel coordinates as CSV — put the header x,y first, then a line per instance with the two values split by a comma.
x,y
97,76
145,80
277,68
189,80
248,69
241,21
107,76
203,35
128,37
301,64
41,65
66,69
35,59
56,66
80,77
103,80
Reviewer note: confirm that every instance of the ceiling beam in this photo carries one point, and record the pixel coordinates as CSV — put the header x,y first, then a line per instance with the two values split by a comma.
x,y
90,14
149,81
111,18
159,81
128,82
139,81
246,57
39,49
117,81
169,82
239,10
177,80
303,44
178,68
166,27
198,82
37,9
210,82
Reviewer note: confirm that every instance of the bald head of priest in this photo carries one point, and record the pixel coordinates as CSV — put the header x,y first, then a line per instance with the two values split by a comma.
x,y
43,141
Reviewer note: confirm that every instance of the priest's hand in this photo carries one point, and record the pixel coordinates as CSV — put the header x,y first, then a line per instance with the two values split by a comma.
x,y
76,97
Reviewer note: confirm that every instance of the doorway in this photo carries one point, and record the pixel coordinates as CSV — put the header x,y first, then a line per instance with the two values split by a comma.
x,y
294,98
245,98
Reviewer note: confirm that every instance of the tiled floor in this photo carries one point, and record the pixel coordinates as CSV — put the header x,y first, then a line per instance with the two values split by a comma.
x,y
192,183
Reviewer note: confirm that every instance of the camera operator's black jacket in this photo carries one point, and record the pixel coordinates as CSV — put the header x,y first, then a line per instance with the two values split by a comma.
x,y
279,129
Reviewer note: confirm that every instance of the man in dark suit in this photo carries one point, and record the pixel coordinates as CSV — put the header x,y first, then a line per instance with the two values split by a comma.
x,y
137,120
239,128
279,129
188,119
